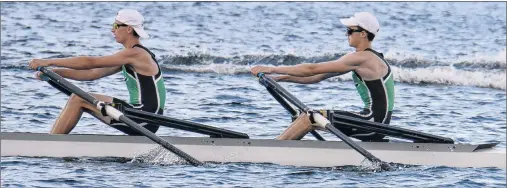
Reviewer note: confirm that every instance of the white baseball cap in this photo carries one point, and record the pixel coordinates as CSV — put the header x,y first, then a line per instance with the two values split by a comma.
x,y
364,20
133,18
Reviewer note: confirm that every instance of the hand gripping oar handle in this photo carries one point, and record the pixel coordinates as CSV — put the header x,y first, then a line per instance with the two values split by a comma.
x,y
320,120
114,113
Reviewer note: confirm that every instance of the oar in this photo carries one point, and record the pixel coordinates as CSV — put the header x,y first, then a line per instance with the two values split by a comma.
x,y
117,115
320,120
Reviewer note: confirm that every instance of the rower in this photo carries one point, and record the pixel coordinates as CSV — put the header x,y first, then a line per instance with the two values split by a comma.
x,y
371,73
138,65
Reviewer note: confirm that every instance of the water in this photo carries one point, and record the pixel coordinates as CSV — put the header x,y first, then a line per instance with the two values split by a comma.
x,y
448,60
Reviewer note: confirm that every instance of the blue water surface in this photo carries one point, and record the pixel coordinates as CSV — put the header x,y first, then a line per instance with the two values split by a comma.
x,y
448,60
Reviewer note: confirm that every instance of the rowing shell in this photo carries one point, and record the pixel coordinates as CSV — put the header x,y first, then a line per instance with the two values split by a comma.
x,y
297,153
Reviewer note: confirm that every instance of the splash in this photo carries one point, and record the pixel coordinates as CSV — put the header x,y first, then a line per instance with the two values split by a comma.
x,y
158,156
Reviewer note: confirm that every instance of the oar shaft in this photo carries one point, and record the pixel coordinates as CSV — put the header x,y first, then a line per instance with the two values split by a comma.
x,y
59,87
282,101
78,91
320,120
359,149
116,114
277,88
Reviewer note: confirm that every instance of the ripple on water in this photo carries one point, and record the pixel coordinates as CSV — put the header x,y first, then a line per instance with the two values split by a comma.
x,y
454,89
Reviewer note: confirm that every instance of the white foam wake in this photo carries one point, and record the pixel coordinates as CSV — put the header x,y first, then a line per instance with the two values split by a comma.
x,y
450,76
446,75
499,57
212,68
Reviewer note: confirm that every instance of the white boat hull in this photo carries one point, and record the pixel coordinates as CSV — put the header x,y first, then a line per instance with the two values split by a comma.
x,y
297,153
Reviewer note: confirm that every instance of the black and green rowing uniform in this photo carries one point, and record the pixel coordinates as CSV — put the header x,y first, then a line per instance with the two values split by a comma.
x,y
147,93
378,98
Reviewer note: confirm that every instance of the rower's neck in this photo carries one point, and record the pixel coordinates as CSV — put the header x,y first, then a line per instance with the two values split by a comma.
x,y
363,46
131,42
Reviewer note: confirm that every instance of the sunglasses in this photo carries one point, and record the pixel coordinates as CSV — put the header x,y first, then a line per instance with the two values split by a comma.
x,y
350,31
116,25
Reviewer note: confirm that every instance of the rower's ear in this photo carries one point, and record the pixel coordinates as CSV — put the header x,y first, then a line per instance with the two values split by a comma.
x,y
130,29
364,34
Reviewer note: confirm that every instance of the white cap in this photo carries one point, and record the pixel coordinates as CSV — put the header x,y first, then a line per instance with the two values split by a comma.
x,y
364,20
133,18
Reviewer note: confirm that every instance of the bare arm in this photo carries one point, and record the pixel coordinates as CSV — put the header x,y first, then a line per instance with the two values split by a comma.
x,y
88,62
306,80
87,75
343,65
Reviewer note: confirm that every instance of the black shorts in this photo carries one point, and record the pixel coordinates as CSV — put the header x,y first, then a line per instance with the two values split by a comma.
x,y
365,115
120,105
